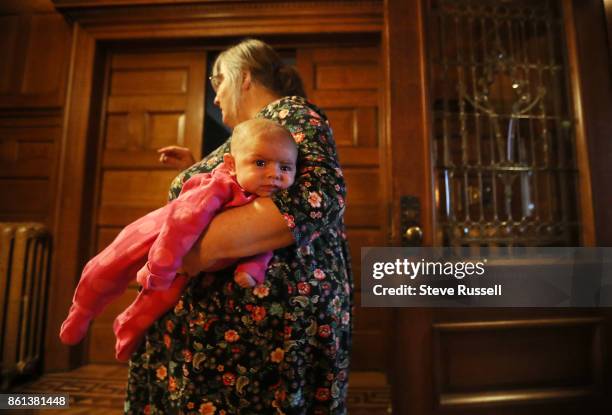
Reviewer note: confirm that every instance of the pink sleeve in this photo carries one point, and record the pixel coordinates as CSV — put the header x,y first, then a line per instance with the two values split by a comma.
x,y
202,197
256,266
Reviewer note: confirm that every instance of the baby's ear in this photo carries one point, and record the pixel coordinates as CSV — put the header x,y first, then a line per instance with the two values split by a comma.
x,y
229,162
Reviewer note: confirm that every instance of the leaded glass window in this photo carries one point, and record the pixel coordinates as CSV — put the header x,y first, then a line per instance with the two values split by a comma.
x,y
503,133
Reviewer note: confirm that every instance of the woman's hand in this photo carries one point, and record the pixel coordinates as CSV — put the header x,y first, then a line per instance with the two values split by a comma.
x,y
193,264
174,156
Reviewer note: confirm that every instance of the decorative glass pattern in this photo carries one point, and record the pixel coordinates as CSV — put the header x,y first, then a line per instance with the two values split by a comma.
x,y
503,132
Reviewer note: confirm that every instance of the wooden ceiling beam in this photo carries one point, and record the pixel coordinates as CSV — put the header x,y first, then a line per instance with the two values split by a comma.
x,y
121,19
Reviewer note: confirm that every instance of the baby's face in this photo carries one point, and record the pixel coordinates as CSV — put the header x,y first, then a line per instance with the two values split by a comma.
x,y
264,166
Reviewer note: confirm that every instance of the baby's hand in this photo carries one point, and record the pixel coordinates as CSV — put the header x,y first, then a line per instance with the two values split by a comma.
x,y
141,277
244,280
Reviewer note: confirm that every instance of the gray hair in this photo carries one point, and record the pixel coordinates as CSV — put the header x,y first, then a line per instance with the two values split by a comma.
x,y
265,66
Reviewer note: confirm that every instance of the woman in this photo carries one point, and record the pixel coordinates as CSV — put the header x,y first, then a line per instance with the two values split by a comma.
x,y
281,347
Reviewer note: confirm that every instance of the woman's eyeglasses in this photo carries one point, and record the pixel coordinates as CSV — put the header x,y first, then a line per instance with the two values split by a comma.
x,y
215,81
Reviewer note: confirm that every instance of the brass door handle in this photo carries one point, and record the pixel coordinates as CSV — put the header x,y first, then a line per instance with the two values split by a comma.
x,y
413,235
410,221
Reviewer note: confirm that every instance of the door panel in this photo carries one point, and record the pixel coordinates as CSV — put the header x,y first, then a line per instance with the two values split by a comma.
x,y
152,100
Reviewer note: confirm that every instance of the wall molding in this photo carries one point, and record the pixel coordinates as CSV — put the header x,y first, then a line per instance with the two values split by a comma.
x,y
230,18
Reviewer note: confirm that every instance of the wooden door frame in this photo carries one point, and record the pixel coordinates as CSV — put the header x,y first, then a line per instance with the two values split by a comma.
x,y
406,92
94,27
585,193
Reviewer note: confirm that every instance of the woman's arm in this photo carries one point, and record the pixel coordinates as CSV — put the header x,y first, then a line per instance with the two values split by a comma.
x,y
240,232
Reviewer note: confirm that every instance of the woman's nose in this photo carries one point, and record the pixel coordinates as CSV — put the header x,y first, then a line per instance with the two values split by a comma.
x,y
216,100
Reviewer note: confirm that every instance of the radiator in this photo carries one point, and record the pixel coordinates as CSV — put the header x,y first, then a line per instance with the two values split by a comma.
x,y
25,254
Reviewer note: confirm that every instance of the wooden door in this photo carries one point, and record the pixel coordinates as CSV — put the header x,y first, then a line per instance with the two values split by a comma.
x,y
472,361
152,100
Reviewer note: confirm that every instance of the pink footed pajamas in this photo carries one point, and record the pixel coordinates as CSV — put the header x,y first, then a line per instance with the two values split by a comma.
x,y
163,237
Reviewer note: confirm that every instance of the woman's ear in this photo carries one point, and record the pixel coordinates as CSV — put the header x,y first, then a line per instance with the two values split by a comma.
x,y
229,162
246,80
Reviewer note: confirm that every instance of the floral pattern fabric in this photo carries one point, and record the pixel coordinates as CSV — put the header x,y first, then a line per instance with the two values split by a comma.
x,y
281,347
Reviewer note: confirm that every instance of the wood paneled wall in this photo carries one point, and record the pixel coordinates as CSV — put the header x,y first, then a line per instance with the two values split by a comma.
x,y
34,54
34,63
28,156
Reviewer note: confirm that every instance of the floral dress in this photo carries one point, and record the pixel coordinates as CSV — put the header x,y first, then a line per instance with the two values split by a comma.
x,y
281,347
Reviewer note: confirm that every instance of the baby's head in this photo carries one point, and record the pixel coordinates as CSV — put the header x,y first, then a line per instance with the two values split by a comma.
x,y
263,156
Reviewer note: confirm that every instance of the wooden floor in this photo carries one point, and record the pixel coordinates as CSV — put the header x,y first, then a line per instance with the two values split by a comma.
x,y
100,390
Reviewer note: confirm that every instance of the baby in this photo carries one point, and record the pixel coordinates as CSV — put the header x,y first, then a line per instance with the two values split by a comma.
x,y
262,161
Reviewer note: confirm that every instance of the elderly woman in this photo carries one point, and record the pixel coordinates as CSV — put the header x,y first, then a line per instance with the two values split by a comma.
x,y
282,346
